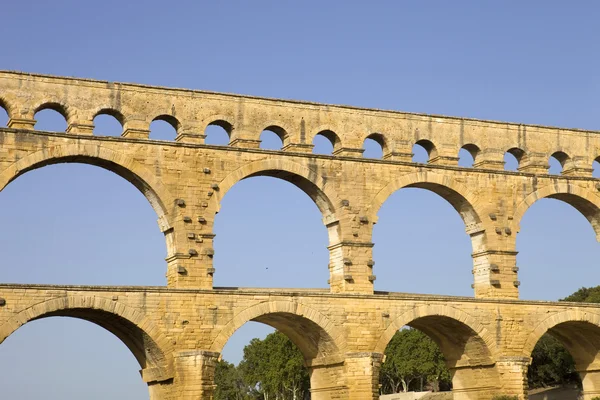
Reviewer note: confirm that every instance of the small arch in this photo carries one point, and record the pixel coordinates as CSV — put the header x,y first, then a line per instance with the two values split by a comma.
x,y
273,137
596,168
557,162
164,127
326,142
52,117
467,155
582,200
145,340
374,145
218,132
108,122
513,158
423,151
4,117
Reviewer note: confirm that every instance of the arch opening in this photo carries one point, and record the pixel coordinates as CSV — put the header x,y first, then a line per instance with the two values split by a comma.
x,y
423,151
85,207
513,158
218,133
51,117
3,114
303,346
546,250
325,142
596,168
374,146
164,127
108,122
273,138
436,353
467,155
260,205
567,354
557,162
68,358
429,245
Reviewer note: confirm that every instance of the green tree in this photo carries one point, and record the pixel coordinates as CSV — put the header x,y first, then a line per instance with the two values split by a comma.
x,y
274,368
412,356
230,384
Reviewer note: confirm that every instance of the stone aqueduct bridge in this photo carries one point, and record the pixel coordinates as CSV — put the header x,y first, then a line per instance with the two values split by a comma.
x,y
177,332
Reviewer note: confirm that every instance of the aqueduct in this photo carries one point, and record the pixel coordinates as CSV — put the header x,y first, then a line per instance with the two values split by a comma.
x,y
177,332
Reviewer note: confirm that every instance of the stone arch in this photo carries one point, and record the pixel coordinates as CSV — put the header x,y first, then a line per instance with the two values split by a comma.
x,y
142,337
277,127
458,195
443,311
304,178
330,133
465,343
56,106
226,122
93,154
581,199
314,334
112,112
554,320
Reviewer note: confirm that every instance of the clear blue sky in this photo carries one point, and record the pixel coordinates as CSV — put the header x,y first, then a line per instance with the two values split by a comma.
x,y
531,62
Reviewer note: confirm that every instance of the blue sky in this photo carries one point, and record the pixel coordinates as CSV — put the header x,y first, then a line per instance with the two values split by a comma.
x,y
530,62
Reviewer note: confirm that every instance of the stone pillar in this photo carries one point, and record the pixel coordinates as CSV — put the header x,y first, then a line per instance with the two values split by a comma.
x,y
21,123
136,129
327,380
590,379
513,376
351,267
298,148
490,159
195,374
362,375
81,127
495,274
245,138
474,382
578,166
348,152
535,163
444,155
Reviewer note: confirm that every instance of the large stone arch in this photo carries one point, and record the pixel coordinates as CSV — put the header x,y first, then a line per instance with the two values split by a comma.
x,y
315,335
94,154
142,337
466,344
458,195
306,179
582,199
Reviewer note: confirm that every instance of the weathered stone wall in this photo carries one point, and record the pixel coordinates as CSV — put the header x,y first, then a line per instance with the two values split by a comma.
x,y
177,332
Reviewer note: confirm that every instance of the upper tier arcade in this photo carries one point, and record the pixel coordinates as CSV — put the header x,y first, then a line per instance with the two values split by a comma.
x,y
185,179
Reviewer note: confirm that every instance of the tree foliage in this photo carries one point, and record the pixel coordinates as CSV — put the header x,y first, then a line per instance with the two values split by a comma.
x,y
412,357
272,368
